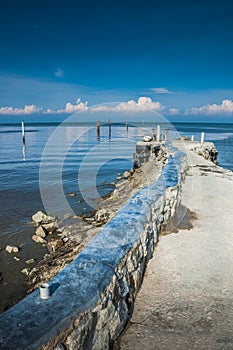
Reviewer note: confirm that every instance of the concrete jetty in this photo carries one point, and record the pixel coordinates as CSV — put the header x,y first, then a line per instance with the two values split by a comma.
x,y
186,299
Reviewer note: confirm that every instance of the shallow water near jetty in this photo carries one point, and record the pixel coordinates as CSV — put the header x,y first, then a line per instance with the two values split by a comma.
x,y
20,186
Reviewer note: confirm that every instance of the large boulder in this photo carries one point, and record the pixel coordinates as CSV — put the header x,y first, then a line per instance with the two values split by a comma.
x,y
41,232
42,218
39,239
12,249
51,227
127,174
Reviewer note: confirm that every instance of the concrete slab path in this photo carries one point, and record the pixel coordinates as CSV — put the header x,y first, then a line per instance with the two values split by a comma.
x,y
186,300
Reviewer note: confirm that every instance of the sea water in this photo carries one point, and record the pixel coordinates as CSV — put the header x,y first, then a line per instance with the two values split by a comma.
x,y
45,176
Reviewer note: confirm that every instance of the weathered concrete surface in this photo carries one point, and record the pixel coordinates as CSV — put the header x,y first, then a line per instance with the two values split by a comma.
x,y
186,299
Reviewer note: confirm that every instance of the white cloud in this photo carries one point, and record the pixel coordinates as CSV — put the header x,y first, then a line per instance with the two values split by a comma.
x,y
173,111
226,107
142,104
58,72
69,108
28,109
161,90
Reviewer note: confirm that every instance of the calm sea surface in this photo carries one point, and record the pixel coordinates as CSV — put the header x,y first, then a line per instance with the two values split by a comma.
x,y
61,161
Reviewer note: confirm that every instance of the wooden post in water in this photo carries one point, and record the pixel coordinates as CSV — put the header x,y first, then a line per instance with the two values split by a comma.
x,y
98,129
202,137
158,133
127,126
109,128
24,142
23,133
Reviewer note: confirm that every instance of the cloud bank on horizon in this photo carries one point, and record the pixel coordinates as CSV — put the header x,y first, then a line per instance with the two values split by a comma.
x,y
142,104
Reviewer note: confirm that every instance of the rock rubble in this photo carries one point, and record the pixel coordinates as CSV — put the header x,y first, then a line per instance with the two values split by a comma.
x,y
72,234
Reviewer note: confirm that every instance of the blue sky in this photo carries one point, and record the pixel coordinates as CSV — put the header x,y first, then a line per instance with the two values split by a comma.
x,y
174,56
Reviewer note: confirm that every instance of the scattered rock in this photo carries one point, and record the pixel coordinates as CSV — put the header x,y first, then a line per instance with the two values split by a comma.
x,y
26,271
102,215
74,194
89,219
65,239
67,216
41,232
78,217
60,346
30,261
12,249
42,218
38,239
16,258
50,228
127,174
119,177
55,244
186,138
132,171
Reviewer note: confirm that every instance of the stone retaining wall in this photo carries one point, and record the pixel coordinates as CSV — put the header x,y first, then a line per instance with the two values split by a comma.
x,y
93,297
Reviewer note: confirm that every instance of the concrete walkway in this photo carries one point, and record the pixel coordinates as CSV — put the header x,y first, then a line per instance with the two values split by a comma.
x,y
186,300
